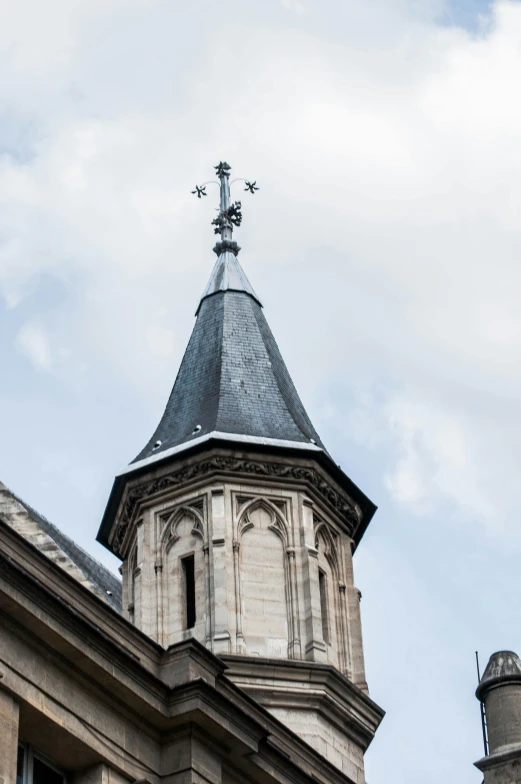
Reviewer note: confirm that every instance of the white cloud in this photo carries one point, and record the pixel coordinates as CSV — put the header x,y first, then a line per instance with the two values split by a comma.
x,y
295,6
388,213
32,340
161,340
384,242
435,460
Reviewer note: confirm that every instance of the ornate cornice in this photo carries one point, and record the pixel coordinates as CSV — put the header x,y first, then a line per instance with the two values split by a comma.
x,y
341,502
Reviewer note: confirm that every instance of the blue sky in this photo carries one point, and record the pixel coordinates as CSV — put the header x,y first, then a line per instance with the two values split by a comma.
x,y
469,14
384,244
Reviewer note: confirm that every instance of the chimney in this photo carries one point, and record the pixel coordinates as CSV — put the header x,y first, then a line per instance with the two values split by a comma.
x,y
500,692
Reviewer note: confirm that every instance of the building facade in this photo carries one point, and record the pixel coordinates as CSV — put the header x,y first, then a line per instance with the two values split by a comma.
x,y
232,648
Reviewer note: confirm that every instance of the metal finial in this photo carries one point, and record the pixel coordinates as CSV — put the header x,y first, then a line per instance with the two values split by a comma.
x,y
229,214
222,169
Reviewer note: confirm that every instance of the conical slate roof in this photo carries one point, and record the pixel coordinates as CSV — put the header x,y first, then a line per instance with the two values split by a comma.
x,y
232,378
228,275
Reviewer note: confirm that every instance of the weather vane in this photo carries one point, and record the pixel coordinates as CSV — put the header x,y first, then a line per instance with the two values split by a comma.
x,y
229,214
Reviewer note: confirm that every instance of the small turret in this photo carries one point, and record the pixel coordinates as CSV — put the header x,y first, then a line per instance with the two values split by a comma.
x,y
236,527
500,691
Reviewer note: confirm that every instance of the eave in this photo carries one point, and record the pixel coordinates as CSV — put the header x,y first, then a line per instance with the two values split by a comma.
x,y
214,441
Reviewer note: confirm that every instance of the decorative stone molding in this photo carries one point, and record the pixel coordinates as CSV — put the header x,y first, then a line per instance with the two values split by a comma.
x,y
278,524
337,607
305,690
341,502
185,519
329,538
229,533
170,536
276,509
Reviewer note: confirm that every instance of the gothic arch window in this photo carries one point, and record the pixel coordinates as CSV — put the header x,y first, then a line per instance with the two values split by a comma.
x,y
183,575
263,570
328,581
131,583
324,605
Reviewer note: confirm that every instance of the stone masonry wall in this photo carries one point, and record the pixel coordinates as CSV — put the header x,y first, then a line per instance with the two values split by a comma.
x,y
258,553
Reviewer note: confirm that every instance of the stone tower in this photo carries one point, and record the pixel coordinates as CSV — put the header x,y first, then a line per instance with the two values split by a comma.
x,y
236,527
500,692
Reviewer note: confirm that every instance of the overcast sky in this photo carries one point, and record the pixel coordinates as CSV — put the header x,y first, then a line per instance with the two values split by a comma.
x,y
385,244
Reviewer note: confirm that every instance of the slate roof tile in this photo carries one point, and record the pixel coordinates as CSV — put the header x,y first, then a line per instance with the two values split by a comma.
x,y
232,378
61,549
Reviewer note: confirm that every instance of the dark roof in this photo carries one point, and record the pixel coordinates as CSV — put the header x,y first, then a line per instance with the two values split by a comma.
x,y
232,378
228,275
106,582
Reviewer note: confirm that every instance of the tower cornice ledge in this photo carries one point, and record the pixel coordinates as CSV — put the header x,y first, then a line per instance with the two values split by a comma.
x,y
280,684
216,456
499,760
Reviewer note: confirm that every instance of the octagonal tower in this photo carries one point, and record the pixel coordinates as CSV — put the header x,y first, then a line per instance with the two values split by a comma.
x,y
236,527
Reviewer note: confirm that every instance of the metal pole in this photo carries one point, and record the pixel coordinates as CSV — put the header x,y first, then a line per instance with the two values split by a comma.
x,y
482,711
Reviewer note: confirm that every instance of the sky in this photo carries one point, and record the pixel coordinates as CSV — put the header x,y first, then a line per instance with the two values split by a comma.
x,y
384,244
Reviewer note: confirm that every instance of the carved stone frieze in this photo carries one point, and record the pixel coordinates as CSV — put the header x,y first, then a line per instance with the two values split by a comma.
x,y
341,502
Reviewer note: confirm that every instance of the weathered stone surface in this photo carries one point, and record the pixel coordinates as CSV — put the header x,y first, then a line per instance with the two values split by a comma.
x,y
323,707
502,667
104,702
500,691
273,573
100,774
61,550
9,713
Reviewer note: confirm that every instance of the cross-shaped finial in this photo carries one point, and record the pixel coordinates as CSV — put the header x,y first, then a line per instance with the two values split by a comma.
x,y
230,215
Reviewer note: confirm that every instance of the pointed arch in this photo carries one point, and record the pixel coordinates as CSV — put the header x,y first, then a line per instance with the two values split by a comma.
x,y
264,607
170,535
323,531
278,523
183,574
131,582
328,587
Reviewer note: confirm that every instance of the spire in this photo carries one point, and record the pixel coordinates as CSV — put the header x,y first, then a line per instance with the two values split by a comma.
x,y
232,382
227,274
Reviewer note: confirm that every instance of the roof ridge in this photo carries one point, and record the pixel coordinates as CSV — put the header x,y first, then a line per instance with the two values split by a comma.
x,y
68,545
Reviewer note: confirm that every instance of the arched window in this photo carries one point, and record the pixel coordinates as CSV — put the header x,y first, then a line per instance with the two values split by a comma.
x,y
328,590
324,605
131,583
183,577
189,607
263,582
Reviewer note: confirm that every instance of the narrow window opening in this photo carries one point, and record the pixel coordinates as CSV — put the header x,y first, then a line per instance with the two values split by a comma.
x,y
188,565
131,584
322,584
